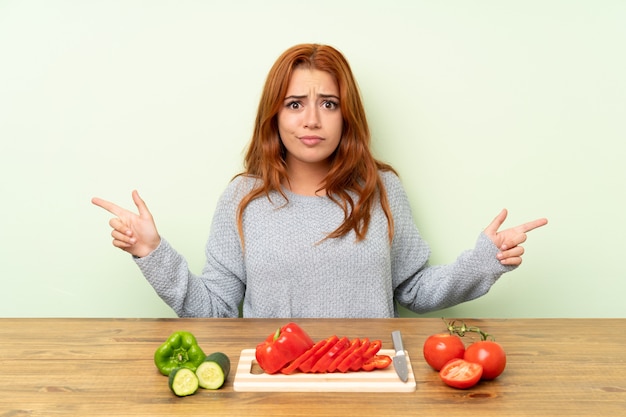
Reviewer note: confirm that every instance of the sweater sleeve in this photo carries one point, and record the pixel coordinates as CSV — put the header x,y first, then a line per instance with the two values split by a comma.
x,y
422,287
219,289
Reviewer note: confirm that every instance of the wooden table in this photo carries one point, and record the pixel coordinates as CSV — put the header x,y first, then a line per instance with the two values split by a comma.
x,y
104,367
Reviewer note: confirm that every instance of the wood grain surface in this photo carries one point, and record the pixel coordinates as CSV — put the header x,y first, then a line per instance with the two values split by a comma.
x,y
104,367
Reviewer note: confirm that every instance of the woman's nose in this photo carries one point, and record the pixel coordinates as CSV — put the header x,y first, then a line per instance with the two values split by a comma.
x,y
312,118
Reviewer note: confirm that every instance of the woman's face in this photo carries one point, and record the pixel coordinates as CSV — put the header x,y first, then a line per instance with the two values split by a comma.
x,y
310,121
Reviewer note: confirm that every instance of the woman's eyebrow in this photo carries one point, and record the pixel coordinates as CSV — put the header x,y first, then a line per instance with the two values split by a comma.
x,y
301,97
329,96
295,97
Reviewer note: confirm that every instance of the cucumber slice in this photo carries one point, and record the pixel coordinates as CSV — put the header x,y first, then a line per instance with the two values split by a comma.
x,y
183,382
212,373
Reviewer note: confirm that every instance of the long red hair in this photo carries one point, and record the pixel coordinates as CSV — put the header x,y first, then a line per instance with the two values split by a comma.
x,y
353,167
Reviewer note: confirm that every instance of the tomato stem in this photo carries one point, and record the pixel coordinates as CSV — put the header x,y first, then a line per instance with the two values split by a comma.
x,y
463,328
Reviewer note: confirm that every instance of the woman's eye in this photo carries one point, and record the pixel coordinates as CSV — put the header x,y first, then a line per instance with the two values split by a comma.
x,y
293,105
330,105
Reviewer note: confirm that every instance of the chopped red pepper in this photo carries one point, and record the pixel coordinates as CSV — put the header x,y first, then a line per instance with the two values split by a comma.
x,y
372,349
346,363
290,349
307,365
324,362
354,345
377,362
294,365
282,347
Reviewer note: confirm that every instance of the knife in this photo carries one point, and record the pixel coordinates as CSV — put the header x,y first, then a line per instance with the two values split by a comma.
x,y
399,361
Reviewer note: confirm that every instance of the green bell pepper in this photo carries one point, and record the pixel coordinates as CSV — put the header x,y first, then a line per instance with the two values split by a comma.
x,y
180,350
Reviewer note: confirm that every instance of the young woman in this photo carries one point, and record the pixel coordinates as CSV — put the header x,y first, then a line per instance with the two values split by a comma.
x,y
314,226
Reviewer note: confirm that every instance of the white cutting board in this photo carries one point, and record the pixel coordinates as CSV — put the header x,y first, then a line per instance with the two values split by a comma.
x,y
247,378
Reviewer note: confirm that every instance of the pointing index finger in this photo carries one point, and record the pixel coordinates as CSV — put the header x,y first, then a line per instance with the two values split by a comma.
x,y
108,206
527,227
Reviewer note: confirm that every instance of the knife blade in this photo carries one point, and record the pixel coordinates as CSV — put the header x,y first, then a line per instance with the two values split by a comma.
x,y
399,360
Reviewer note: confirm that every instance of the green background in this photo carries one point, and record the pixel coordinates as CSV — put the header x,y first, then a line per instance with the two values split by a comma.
x,y
479,105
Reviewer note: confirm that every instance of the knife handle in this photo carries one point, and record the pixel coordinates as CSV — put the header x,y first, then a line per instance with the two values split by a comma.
x,y
396,337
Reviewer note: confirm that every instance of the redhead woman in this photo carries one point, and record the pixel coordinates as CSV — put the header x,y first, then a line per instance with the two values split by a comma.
x,y
315,226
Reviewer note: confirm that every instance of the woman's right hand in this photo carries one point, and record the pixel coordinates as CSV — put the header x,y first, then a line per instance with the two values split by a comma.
x,y
135,234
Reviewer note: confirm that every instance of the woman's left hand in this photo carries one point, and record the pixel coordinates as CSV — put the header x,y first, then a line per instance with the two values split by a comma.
x,y
509,240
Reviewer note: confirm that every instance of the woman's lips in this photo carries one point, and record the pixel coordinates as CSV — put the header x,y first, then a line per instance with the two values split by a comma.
x,y
310,140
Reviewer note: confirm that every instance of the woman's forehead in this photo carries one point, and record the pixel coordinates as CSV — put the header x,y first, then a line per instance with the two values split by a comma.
x,y
306,78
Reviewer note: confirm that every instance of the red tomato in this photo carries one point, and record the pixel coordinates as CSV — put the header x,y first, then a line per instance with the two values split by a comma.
x,y
441,348
489,355
459,373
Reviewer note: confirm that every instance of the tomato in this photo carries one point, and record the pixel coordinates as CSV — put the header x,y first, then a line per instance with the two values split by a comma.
x,y
459,373
490,355
377,362
440,348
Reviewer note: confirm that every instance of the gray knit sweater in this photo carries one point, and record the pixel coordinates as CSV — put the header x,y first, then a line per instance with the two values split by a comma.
x,y
288,270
